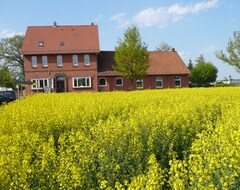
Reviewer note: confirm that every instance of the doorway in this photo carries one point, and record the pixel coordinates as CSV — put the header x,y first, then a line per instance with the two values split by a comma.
x,y
60,84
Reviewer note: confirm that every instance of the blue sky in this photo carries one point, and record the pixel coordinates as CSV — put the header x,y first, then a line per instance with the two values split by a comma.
x,y
192,27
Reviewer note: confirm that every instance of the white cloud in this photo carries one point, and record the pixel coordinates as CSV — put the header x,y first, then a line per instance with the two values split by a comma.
x,y
121,20
5,33
162,16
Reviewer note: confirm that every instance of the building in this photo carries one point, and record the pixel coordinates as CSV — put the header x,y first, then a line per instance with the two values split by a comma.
x,y
68,59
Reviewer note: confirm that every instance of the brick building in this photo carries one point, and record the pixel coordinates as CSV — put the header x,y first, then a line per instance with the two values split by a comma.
x,y
68,59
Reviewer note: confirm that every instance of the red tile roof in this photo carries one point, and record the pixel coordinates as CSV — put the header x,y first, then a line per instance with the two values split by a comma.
x,y
166,62
161,63
61,39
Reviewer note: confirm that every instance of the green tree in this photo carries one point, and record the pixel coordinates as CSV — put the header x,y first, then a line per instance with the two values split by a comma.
x,y
190,65
163,47
203,73
6,78
131,56
233,52
10,55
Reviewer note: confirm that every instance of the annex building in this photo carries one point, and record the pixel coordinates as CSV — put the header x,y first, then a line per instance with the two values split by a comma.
x,y
69,59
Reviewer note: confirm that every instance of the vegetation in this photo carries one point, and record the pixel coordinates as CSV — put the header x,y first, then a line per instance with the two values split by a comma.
x,y
164,47
203,73
131,56
122,140
233,52
6,79
10,55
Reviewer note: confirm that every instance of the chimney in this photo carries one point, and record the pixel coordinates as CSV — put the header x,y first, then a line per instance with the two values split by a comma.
x,y
55,24
92,23
173,50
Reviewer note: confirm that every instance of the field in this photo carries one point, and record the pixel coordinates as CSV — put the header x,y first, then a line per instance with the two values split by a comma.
x,y
162,139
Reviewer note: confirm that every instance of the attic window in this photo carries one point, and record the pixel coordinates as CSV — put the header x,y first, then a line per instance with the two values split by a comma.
x,y
40,44
61,44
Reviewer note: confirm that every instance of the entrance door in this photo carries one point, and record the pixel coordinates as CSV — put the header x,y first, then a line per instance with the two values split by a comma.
x,y
60,84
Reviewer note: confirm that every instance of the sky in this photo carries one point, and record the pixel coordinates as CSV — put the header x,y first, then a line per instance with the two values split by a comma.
x,y
192,27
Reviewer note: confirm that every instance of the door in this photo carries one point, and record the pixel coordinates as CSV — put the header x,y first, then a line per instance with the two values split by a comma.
x,y
60,84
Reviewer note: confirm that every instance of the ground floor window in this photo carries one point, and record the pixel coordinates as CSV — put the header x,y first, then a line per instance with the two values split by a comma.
x,y
102,82
81,82
40,83
159,82
119,81
177,81
139,84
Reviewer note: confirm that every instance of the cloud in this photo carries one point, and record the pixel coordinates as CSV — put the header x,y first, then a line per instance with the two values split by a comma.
x,y
162,16
5,33
121,20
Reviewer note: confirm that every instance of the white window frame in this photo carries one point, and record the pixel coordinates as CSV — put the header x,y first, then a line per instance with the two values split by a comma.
x,y
139,81
102,79
75,60
78,85
159,79
86,59
34,61
39,81
59,61
118,78
44,61
177,79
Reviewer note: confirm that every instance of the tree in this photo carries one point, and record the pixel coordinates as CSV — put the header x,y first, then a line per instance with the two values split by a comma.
x,y
190,65
6,78
203,73
233,52
164,47
131,56
10,55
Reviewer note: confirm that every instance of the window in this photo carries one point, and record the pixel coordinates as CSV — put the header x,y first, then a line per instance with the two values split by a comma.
x,y
177,81
102,82
44,61
159,82
81,82
34,61
59,61
61,44
75,60
40,83
118,81
86,59
139,84
40,44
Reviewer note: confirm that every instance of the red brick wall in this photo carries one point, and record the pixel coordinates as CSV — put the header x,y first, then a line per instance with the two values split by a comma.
x,y
149,82
67,68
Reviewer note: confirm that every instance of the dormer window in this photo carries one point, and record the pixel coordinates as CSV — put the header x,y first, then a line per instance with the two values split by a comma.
x,y
61,44
40,44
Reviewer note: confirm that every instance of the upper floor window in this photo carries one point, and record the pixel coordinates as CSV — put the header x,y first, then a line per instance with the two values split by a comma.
x,y
119,81
81,82
75,60
44,61
139,84
102,82
59,61
86,59
177,81
34,61
159,82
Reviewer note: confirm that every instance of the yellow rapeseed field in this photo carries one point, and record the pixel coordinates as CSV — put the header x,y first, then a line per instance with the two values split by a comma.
x,y
157,139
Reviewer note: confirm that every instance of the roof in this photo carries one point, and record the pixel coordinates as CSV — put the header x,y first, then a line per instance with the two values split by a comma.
x,y
60,39
161,63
